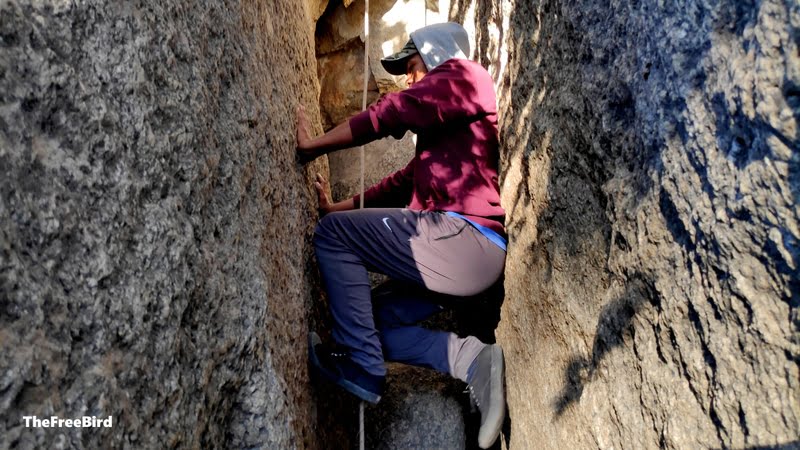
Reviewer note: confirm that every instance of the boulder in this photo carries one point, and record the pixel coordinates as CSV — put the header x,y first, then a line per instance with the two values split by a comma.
x,y
421,409
315,8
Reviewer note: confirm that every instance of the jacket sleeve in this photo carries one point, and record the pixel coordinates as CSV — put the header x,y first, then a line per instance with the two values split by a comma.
x,y
447,95
392,115
393,191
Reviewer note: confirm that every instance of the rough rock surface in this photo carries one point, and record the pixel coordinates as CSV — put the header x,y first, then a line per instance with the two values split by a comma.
x,y
154,225
315,8
651,155
420,410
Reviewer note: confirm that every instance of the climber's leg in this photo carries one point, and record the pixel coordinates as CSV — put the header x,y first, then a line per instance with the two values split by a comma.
x,y
438,350
429,249
347,244
398,308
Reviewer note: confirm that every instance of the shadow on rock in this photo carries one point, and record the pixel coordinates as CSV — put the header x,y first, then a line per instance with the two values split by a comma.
x,y
613,327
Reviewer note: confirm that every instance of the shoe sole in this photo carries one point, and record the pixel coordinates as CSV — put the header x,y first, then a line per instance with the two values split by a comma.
x,y
491,427
363,394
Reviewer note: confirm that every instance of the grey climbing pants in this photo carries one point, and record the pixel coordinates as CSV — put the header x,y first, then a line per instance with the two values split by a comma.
x,y
430,254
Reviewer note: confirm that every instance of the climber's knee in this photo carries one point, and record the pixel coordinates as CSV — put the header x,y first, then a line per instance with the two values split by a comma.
x,y
389,340
385,317
325,229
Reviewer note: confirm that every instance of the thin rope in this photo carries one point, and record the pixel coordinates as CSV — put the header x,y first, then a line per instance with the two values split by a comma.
x,y
361,440
361,425
364,93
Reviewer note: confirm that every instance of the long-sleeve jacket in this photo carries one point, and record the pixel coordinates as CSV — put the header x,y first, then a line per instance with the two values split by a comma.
x,y
453,111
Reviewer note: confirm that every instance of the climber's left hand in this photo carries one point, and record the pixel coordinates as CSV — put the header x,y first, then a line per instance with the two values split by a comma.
x,y
304,150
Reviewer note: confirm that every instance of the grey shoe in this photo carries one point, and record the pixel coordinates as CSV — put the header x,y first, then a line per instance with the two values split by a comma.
x,y
486,392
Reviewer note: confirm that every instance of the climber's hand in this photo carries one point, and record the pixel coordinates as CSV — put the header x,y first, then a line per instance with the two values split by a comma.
x,y
304,150
322,187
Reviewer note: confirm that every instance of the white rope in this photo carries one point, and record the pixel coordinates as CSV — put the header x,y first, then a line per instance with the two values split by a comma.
x,y
364,93
361,425
361,197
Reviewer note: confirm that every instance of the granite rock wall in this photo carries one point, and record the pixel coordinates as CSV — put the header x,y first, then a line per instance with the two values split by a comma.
x,y
154,224
651,154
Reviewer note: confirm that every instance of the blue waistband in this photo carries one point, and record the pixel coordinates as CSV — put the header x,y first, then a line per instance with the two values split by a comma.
x,y
488,232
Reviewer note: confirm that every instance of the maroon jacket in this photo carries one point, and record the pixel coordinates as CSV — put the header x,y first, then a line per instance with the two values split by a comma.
x,y
453,111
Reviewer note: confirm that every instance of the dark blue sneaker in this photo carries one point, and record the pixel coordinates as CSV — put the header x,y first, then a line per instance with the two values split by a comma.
x,y
336,366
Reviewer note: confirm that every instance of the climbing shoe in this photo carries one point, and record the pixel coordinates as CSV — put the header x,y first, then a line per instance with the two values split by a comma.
x,y
335,365
485,387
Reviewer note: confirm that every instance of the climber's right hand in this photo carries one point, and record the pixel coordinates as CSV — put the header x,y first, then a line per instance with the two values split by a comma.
x,y
325,205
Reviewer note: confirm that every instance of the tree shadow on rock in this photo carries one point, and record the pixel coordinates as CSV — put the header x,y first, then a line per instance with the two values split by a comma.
x,y
614,326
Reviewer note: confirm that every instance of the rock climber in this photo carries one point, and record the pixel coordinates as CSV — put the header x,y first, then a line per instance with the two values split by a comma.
x,y
436,225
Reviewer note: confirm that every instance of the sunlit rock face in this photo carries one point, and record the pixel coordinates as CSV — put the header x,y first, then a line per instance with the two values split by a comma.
x,y
315,8
650,177
154,224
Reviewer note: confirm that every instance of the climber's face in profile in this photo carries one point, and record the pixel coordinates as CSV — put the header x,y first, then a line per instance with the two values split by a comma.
x,y
415,69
